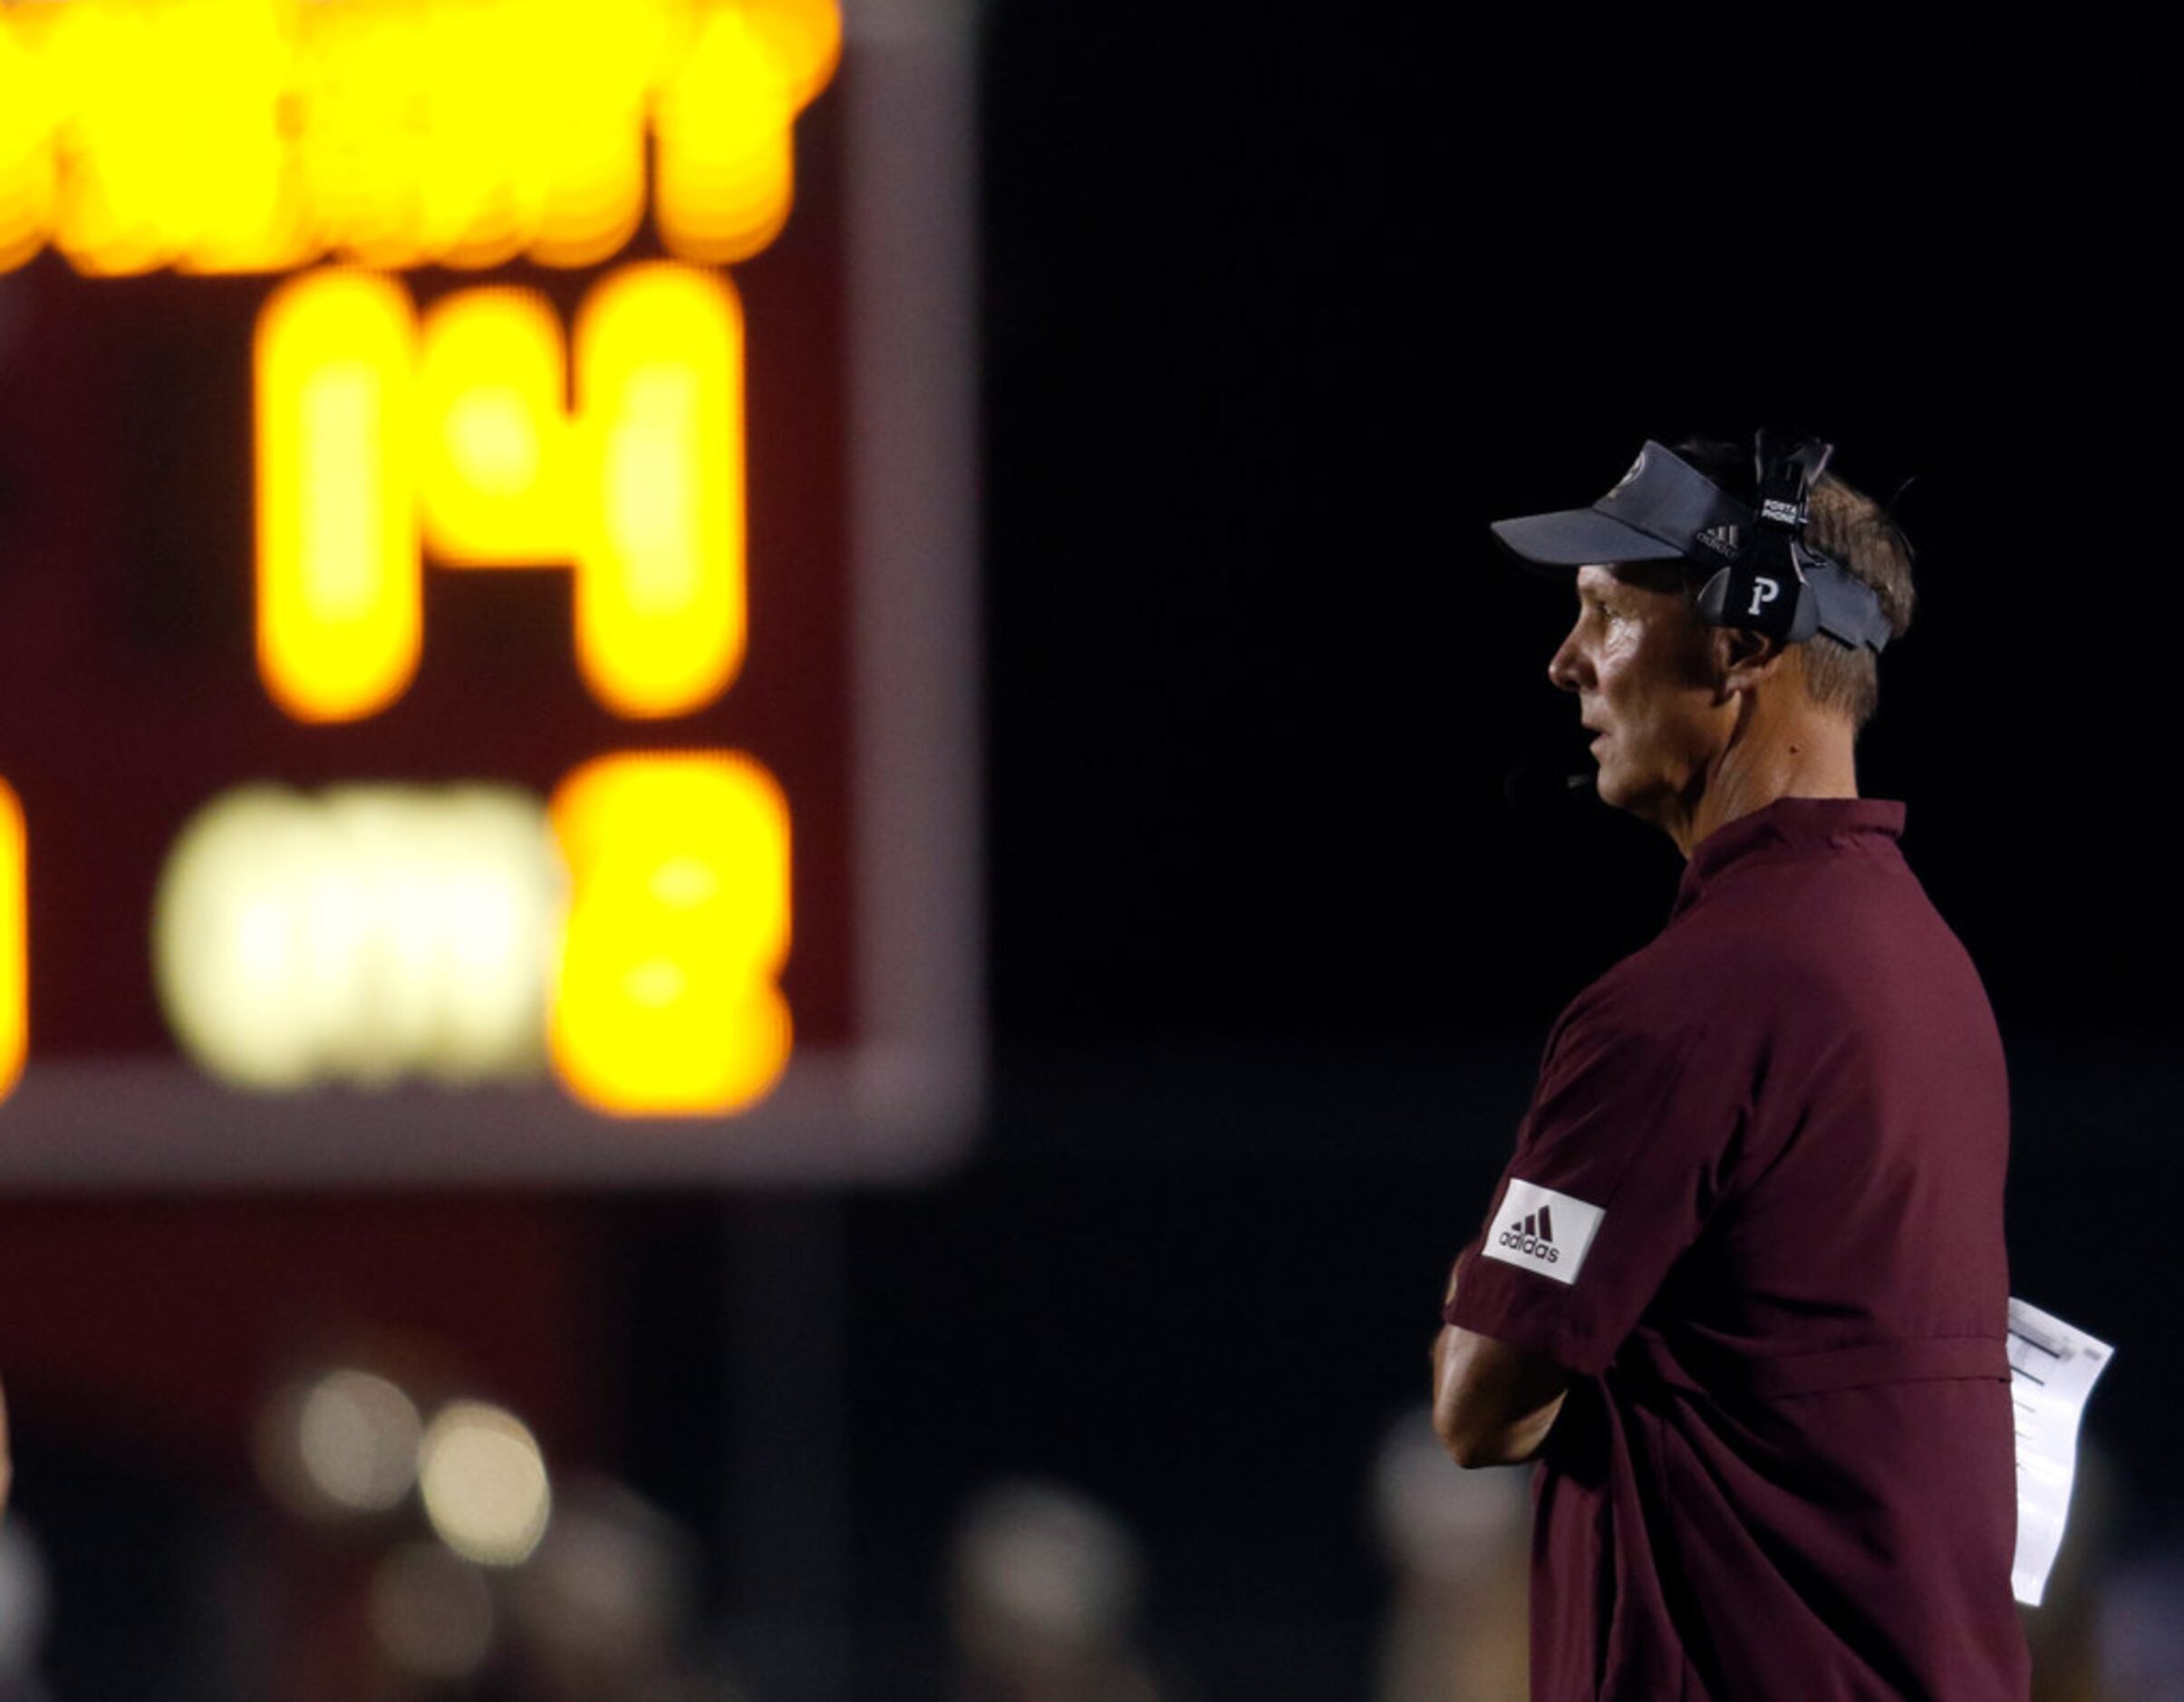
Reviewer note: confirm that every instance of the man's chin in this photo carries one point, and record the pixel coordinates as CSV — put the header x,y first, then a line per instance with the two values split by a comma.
x,y
1617,790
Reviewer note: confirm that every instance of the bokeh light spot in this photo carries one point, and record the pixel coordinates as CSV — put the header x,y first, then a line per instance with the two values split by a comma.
x,y
483,1482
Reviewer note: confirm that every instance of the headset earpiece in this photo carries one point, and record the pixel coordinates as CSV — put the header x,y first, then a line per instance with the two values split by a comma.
x,y
1765,588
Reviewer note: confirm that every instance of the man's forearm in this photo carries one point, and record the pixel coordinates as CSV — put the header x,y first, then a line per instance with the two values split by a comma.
x,y
1493,1405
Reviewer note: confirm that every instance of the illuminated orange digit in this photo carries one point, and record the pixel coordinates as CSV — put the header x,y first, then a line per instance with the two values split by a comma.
x,y
373,438
659,549
340,605
14,955
678,926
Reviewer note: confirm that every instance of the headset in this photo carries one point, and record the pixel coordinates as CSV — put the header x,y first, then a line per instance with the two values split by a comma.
x,y
1778,583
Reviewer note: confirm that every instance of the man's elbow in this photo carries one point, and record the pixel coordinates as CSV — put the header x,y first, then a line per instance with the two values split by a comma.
x,y
1471,1444
1492,1405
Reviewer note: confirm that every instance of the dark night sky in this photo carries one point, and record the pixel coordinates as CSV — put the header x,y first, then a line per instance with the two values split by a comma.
x,y
1282,311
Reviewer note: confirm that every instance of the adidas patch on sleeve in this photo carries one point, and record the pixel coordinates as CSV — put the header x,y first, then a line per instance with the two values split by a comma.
x,y
1540,1230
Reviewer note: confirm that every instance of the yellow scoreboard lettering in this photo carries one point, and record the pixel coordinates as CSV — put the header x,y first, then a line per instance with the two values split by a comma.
x,y
226,136
340,598
726,165
14,954
27,188
677,929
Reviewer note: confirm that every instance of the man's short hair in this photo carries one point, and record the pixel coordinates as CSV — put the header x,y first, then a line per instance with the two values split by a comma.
x,y
1849,525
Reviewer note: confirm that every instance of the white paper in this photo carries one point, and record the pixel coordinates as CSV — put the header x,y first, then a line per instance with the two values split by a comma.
x,y
2053,1367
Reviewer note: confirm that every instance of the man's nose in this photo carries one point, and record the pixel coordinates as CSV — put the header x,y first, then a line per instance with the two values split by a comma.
x,y
1564,668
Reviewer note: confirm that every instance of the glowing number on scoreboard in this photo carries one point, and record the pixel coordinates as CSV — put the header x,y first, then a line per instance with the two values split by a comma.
x,y
375,440
14,957
678,926
660,609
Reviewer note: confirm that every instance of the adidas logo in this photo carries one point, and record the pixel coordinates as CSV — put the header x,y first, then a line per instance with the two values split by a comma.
x,y
1533,1236
1724,541
1548,1233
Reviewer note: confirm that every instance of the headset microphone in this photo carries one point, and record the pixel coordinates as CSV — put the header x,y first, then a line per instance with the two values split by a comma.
x,y
1538,786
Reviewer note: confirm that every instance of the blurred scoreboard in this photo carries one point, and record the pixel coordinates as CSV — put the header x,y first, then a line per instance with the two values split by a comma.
x,y
486,590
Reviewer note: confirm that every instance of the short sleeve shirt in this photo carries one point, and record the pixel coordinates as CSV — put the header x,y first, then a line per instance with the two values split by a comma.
x,y
1756,1208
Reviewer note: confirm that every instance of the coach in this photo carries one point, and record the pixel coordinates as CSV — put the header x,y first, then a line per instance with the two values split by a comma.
x,y
1742,1293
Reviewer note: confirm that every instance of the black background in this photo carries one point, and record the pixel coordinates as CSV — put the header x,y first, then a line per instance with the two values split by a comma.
x,y
1281,314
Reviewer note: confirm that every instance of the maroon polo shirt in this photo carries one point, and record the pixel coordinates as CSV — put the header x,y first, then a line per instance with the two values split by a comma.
x,y
1756,1208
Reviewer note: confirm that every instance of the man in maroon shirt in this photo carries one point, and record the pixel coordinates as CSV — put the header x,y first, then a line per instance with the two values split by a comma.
x,y
1741,1290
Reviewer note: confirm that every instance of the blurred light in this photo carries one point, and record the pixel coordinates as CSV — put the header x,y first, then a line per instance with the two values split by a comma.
x,y
361,114
609,1591
492,382
339,606
727,162
432,1612
27,1597
357,1435
345,1445
372,932
484,1483
27,182
259,135
238,197
165,126
660,564
678,926
1439,1524
805,37
586,135
15,946
119,204
1043,1576
480,192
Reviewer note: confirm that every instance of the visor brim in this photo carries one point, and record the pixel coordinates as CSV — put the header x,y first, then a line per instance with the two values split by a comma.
x,y
1580,537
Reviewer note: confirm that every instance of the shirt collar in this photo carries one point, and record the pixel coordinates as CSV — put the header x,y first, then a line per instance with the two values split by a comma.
x,y
1804,824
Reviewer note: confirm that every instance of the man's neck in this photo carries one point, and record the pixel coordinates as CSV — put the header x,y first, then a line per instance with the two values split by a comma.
x,y
1804,755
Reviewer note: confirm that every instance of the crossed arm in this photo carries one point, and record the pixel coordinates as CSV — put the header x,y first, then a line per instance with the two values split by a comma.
x,y
1494,1404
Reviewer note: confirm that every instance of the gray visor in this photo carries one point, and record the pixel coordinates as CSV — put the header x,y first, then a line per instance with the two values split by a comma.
x,y
1662,509
1665,508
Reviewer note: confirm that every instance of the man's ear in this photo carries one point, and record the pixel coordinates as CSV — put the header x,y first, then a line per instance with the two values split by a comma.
x,y
1743,659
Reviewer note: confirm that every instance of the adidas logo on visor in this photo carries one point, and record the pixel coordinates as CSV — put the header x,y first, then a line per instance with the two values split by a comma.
x,y
1724,541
